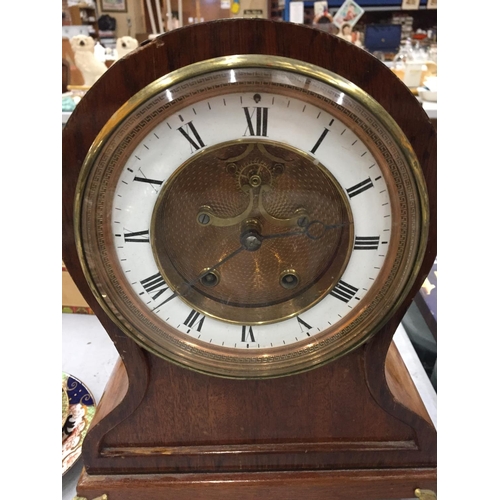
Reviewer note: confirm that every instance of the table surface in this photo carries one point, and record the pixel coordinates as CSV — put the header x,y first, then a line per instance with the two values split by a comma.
x,y
90,355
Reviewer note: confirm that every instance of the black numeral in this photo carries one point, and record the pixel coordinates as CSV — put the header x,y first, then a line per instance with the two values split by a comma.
x,y
148,181
320,140
195,141
137,237
247,334
192,321
154,284
343,291
359,188
257,126
303,323
366,242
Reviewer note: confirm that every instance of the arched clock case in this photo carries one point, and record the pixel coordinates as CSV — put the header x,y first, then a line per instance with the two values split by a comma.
x,y
249,210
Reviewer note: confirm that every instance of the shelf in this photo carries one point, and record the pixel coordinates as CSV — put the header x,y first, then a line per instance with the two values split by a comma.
x,y
367,5
77,20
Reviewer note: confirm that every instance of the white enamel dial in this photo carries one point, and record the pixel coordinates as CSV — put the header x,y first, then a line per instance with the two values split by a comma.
x,y
222,119
207,163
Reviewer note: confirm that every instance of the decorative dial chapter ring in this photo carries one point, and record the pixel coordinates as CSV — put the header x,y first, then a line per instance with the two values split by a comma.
x,y
294,261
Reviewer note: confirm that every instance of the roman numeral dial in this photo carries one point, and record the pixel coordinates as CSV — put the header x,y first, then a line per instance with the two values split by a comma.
x,y
232,208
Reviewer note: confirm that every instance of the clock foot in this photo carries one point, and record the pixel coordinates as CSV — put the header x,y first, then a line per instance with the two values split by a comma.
x,y
425,494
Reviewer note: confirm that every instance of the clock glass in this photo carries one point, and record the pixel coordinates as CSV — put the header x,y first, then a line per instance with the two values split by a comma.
x,y
250,216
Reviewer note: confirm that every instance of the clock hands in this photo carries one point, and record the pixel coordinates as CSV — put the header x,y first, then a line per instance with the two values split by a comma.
x,y
314,230
251,241
208,278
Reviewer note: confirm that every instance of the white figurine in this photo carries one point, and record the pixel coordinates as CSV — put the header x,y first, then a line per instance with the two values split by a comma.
x,y
85,60
124,45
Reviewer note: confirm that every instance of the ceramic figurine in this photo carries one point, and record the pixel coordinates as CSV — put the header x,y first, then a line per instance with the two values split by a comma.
x,y
124,45
85,60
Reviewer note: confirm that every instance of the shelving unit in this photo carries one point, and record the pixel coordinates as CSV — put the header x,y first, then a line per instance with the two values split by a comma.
x,y
84,15
367,5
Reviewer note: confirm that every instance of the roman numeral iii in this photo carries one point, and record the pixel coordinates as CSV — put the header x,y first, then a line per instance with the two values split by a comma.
x,y
343,291
366,242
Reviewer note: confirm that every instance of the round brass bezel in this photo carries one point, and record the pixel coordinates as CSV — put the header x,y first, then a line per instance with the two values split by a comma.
x,y
331,343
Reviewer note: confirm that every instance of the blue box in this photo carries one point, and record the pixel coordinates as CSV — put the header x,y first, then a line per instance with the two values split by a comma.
x,y
382,37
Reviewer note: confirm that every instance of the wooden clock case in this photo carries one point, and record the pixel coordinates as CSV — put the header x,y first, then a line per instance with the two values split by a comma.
x,y
354,428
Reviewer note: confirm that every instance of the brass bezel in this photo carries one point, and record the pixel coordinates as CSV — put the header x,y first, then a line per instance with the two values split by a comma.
x,y
320,351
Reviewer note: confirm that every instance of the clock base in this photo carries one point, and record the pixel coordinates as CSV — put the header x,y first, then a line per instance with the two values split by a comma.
x,y
374,481
290,485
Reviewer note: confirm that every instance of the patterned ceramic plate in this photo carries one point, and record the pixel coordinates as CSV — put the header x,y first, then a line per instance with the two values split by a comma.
x,y
65,404
80,414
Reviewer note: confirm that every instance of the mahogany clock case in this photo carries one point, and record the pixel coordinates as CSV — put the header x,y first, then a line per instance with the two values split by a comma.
x,y
337,424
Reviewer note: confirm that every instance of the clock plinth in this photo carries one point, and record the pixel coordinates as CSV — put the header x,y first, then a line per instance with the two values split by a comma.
x,y
296,441
332,485
352,428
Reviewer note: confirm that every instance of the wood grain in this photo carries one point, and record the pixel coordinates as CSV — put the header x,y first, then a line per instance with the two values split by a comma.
x,y
331,485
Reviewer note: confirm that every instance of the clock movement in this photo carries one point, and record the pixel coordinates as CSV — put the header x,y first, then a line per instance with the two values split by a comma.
x,y
249,209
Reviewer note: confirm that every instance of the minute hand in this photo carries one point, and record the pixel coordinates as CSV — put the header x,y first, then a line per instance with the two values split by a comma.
x,y
319,230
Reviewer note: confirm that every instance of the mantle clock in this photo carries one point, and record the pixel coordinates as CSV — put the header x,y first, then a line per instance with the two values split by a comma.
x,y
249,210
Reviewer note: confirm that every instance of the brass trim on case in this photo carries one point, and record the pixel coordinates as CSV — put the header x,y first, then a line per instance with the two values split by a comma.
x,y
102,497
425,494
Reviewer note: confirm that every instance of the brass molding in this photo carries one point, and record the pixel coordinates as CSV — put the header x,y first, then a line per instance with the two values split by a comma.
x,y
425,494
102,497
